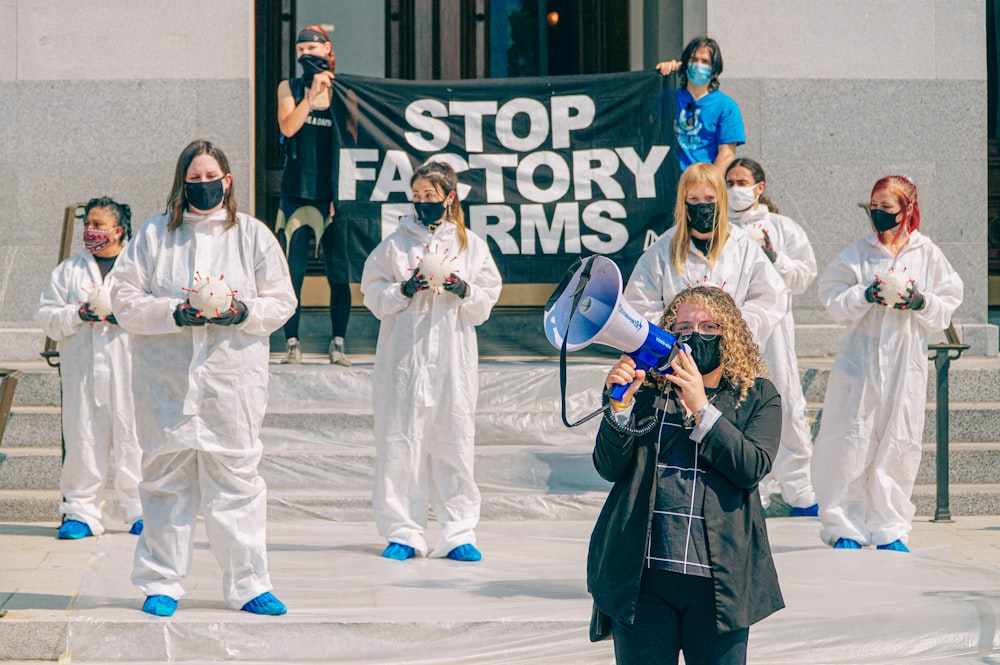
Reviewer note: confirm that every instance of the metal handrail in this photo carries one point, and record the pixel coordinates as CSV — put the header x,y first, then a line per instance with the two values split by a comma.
x,y
942,355
71,214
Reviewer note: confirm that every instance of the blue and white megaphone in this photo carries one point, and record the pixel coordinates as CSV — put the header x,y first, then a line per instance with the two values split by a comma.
x,y
576,317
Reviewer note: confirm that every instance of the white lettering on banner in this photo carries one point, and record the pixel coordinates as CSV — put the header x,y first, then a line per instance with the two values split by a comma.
x,y
350,174
500,232
493,166
394,176
586,174
525,177
538,124
565,222
644,170
422,115
561,235
564,122
473,113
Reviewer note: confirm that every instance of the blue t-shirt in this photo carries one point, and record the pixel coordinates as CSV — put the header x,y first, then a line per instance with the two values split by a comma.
x,y
703,125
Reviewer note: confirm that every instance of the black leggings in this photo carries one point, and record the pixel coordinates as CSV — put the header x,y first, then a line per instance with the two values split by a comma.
x,y
340,292
677,613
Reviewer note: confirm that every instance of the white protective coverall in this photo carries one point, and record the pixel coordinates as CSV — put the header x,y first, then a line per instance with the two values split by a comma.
x,y
427,385
98,416
203,391
868,447
741,270
796,263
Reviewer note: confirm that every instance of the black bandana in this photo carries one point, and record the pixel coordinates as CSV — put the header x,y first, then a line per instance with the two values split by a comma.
x,y
308,35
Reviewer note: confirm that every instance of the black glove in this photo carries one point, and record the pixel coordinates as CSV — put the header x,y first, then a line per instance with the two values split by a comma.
x,y
415,283
873,293
912,299
768,248
236,313
110,318
456,285
186,315
87,315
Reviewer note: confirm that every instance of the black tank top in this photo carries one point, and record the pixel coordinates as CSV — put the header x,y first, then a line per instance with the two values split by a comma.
x,y
309,154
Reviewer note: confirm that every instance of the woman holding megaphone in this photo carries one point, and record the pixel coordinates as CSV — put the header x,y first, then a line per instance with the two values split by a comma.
x,y
703,248
679,559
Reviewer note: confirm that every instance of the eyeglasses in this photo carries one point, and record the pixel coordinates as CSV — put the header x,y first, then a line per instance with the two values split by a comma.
x,y
684,329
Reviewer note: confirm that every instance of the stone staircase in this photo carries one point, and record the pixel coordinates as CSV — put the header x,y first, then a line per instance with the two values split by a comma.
x,y
319,450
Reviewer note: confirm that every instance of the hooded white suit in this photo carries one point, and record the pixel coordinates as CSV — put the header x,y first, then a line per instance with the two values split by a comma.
x,y
741,270
426,385
796,264
98,417
868,447
202,391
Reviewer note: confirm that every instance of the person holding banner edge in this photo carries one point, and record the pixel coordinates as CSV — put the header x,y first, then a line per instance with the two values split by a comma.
x,y
703,248
426,380
787,247
679,559
306,208
708,124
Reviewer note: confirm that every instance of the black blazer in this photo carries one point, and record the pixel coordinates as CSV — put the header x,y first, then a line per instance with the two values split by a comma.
x,y
737,453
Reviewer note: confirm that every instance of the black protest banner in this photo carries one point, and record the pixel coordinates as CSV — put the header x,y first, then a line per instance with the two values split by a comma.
x,y
549,168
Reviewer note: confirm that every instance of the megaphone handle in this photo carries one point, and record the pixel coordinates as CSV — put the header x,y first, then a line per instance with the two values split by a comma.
x,y
617,392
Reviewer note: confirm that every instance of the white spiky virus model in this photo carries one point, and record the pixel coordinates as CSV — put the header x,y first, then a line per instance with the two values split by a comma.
x,y
894,285
756,231
436,267
99,301
210,295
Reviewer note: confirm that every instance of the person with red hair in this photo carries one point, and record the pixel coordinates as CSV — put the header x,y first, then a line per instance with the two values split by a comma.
x,y
891,289
306,207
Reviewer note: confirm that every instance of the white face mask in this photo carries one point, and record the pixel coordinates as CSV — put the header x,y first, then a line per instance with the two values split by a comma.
x,y
741,199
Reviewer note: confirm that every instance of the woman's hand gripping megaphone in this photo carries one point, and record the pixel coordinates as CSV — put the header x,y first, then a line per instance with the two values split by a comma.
x,y
624,373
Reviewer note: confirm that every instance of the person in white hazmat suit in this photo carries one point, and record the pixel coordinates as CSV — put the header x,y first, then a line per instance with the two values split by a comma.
x,y
201,378
95,359
787,247
868,447
426,370
703,248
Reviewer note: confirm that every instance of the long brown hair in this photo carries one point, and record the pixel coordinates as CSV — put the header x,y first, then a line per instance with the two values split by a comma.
x,y
177,201
680,244
445,180
742,361
757,171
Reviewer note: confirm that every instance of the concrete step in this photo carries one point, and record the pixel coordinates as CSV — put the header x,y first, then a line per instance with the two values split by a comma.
x,y
963,499
40,505
30,468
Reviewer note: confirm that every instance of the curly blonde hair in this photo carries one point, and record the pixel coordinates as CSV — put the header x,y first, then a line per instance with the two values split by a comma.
x,y
742,361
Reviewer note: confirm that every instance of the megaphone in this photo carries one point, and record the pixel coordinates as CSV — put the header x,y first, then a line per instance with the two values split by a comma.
x,y
589,308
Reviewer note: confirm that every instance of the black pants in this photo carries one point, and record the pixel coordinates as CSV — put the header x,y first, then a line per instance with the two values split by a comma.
x,y
677,613
298,256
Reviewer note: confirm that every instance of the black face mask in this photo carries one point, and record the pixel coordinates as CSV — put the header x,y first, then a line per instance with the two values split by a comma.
x,y
429,212
883,220
312,65
701,217
205,195
707,352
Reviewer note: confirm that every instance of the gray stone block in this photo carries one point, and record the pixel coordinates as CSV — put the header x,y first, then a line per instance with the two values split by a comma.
x,y
28,506
52,46
853,39
845,117
968,463
34,636
8,43
21,344
33,427
962,499
38,387
24,273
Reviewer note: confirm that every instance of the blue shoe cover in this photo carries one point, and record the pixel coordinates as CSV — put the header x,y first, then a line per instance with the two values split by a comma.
x,y
265,603
73,529
399,552
465,553
136,529
895,546
161,606
811,511
846,544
